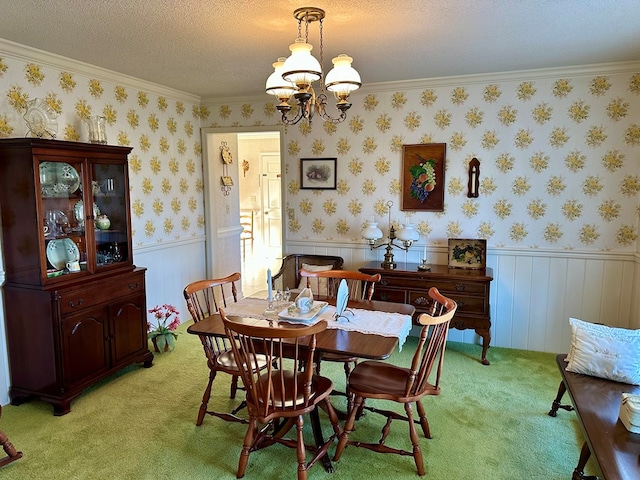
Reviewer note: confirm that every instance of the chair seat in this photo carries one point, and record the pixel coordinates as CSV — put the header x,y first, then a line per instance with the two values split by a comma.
x,y
226,362
320,388
373,379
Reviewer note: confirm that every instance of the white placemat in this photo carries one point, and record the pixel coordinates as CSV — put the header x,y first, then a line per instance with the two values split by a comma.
x,y
364,321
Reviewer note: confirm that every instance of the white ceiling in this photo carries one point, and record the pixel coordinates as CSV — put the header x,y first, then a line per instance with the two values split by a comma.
x,y
220,48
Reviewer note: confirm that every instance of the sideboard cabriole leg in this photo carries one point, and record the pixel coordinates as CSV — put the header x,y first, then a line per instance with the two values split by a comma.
x,y
486,340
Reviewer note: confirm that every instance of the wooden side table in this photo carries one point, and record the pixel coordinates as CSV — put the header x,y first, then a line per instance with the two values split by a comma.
x,y
469,288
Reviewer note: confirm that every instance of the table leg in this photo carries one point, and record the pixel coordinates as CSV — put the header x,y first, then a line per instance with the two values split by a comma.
x,y
578,473
319,438
556,403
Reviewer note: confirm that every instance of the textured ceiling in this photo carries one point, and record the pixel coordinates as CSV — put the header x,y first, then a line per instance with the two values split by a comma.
x,y
221,48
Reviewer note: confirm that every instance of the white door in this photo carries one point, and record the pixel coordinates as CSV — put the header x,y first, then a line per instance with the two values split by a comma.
x,y
271,202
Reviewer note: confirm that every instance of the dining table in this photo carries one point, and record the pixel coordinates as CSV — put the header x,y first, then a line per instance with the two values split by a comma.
x,y
368,329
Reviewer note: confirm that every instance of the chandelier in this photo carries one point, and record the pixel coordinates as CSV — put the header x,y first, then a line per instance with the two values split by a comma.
x,y
293,77
407,235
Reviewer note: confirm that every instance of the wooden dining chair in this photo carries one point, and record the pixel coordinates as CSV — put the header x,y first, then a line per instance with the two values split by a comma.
x,y
205,298
325,284
384,381
11,454
285,391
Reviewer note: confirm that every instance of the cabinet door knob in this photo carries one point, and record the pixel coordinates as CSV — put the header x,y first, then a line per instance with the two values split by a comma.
x,y
460,287
384,297
384,281
461,303
73,304
134,286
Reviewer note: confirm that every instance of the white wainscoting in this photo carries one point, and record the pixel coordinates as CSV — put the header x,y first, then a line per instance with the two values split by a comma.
x,y
170,267
534,292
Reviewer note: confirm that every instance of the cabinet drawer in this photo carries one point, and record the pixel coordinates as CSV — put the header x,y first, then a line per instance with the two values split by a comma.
x,y
466,303
463,323
99,292
389,295
448,286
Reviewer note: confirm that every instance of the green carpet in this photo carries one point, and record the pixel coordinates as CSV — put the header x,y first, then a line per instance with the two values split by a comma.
x,y
490,422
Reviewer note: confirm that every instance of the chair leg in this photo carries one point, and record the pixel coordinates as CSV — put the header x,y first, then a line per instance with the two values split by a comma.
x,y
205,398
415,441
347,372
424,423
246,446
302,454
348,428
11,453
234,387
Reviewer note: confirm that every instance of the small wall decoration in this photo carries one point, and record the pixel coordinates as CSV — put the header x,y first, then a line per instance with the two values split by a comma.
x,y
467,253
245,167
423,177
226,181
318,173
474,178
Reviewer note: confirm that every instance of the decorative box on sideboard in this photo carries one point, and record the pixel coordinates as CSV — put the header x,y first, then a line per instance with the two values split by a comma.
x,y
468,287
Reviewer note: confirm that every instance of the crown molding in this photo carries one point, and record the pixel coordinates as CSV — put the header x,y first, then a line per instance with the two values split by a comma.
x,y
512,76
29,54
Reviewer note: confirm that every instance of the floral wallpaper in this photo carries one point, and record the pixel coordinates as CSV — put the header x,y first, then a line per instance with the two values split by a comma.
x,y
559,159
165,164
559,152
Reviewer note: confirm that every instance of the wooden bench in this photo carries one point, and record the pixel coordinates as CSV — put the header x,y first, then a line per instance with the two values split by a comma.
x,y
597,403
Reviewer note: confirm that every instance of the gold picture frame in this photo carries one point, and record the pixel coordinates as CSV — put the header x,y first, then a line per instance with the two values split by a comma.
x,y
470,253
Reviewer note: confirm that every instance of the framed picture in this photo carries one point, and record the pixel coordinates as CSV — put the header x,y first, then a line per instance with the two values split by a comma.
x,y
423,177
467,253
318,173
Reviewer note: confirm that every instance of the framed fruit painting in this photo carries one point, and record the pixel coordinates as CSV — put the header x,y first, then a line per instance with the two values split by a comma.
x,y
423,177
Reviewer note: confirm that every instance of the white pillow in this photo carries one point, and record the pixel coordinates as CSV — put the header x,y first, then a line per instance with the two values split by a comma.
x,y
605,352
314,284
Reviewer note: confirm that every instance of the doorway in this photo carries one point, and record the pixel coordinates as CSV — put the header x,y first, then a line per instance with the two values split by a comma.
x,y
255,203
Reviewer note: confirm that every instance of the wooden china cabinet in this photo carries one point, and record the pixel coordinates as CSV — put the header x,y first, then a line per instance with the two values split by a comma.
x,y
74,301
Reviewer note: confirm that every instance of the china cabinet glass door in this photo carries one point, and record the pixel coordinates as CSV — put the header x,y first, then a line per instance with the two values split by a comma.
x,y
63,219
110,211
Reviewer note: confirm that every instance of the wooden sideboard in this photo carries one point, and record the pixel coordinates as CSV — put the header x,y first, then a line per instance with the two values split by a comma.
x,y
469,288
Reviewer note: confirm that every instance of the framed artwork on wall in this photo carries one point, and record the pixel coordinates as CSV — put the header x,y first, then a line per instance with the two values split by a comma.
x,y
467,253
318,173
423,177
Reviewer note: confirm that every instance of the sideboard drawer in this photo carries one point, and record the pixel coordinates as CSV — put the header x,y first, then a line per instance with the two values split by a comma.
x,y
78,299
389,295
450,286
407,283
466,303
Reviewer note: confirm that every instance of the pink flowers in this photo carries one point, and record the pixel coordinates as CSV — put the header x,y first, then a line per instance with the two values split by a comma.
x,y
163,332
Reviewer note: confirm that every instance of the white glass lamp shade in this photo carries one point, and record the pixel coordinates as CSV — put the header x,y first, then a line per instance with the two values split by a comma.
x,y
371,231
276,85
408,233
343,78
301,68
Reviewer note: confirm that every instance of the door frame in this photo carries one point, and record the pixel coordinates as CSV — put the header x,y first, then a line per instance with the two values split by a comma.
x,y
212,170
